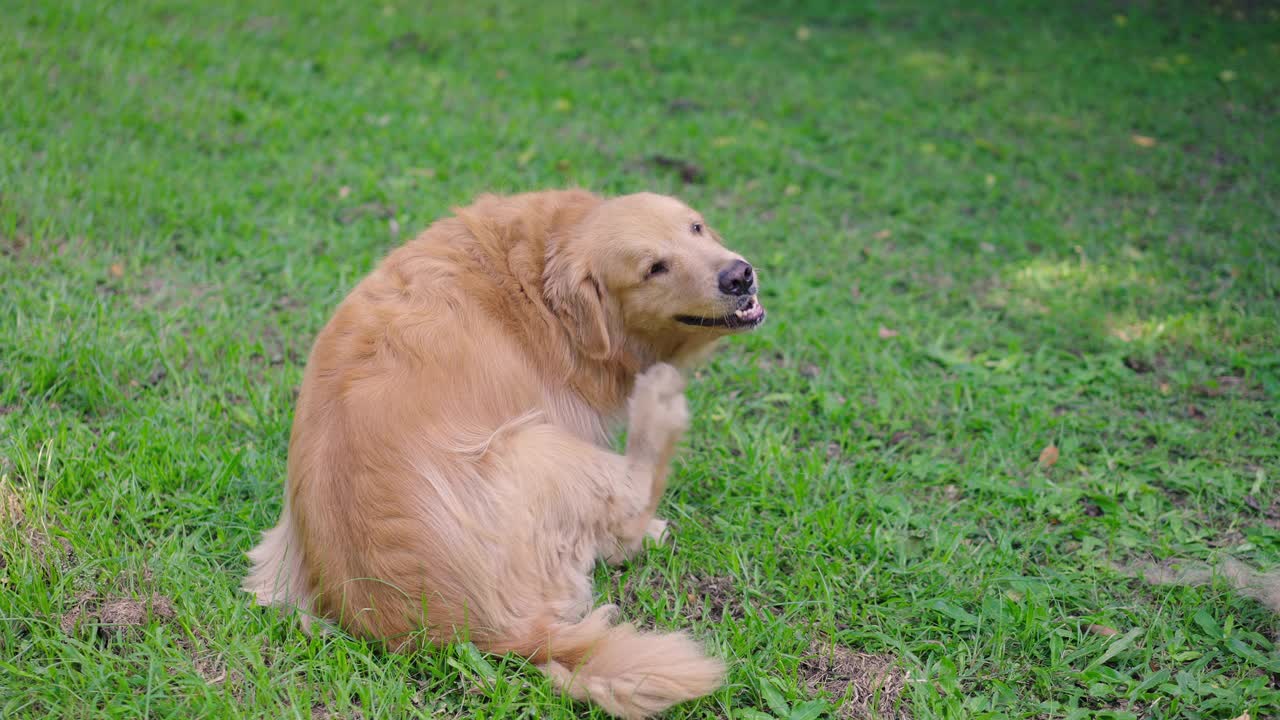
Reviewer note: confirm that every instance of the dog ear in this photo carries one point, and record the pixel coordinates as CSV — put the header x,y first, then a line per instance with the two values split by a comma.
x,y
583,307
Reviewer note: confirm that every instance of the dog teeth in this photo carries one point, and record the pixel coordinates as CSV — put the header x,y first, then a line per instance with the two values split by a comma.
x,y
751,310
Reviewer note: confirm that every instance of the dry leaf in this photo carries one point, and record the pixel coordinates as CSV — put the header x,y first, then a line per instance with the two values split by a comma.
x,y
1102,630
987,247
1049,456
791,190
344,192
563,104
1227,76
1242,717
886,333
884,234
803,33
117,270
501,74
1143,141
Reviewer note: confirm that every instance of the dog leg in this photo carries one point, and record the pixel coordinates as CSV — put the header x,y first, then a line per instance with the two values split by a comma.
x,y
659,415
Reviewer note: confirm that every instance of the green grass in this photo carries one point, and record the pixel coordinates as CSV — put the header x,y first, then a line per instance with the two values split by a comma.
x,y
188,189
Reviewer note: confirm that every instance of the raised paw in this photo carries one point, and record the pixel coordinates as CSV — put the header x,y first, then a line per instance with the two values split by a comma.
x,y
658,412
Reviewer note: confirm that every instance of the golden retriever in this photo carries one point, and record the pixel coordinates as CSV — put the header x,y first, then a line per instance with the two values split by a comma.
x,y
449,471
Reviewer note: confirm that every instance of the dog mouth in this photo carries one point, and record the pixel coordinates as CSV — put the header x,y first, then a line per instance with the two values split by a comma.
x,y
750,315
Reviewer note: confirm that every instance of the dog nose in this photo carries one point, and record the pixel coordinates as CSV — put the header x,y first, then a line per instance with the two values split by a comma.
x,y
738,279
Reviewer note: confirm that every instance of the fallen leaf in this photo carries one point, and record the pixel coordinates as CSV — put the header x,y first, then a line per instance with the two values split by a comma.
x,y
1102,630
423,172
563,165
886,333
1242,717
987,247
990,180
1143,141
1227,76
791,190
1049,456
501,74
344,192
117,270
803,33
723,141
884,235
562,105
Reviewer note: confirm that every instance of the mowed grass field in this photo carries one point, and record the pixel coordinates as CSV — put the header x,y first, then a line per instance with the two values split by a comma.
x,y
1022,262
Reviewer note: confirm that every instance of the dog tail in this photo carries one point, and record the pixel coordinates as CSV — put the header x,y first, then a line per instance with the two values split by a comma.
x,y
630,674
277,576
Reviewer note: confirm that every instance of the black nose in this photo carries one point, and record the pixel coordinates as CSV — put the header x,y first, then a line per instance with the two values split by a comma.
x,y
738,279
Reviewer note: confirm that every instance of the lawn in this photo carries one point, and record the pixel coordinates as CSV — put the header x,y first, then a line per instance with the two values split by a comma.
x,y
1023,268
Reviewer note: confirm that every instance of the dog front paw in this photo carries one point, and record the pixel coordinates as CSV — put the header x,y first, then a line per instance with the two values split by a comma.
x,y
659,414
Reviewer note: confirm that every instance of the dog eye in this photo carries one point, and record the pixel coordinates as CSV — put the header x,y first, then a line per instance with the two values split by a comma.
x,y
656,269
696,228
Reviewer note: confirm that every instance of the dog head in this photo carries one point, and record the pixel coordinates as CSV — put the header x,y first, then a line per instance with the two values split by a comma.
x,y
647,268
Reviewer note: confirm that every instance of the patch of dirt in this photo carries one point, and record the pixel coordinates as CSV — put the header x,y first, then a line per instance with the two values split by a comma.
x,y
864,685
716,595
116,617
690,172
377,210
680,105
1138,364
411,43
320,711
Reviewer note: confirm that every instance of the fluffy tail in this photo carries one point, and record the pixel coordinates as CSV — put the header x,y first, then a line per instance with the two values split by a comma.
x,y
277,576
628,673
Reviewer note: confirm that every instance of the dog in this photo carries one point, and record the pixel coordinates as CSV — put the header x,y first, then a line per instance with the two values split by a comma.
x,y
449,471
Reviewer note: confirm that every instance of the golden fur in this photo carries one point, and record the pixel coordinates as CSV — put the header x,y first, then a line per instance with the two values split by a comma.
x,y
449,472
